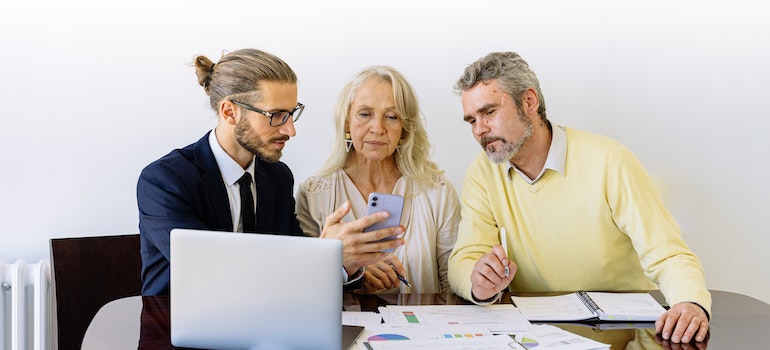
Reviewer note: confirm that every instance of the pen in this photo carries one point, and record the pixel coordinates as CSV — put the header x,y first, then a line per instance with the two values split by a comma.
x,y
504,243
403,280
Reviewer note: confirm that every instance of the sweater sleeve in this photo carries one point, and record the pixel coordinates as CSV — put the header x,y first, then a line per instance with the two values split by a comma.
x,y
640,213
477,232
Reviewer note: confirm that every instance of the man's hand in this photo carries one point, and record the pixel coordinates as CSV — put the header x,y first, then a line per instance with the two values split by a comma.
x,y
488,277
683,322
668,345
359,248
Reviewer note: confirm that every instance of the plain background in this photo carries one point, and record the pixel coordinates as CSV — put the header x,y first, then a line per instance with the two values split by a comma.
x,y
93,91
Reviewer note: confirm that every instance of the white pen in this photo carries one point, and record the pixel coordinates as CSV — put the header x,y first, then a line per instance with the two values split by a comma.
x,y
504,243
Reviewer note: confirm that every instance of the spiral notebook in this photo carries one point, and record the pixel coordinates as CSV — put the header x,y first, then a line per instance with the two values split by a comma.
x,y
590,306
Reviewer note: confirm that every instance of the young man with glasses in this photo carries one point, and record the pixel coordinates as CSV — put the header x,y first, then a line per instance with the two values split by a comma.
x,y
208,184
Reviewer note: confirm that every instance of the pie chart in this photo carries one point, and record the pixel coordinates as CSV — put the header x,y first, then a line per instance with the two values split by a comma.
x,y
387,336
529,342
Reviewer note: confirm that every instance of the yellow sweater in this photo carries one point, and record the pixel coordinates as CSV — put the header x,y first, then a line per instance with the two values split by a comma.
x,y
599,226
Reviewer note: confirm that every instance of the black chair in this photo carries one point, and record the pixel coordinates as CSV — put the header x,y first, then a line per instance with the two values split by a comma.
x,y
89,272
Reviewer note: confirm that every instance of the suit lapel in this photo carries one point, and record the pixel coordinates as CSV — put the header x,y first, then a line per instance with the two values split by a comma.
x,y
213,182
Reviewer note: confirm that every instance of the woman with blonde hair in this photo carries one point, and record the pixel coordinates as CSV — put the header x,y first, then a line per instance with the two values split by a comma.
x,y
382,146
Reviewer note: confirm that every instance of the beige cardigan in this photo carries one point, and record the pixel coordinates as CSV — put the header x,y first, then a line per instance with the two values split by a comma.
x,y
430,216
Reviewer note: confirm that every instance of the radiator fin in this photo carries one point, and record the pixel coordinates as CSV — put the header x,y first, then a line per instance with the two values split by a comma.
x,y
25,305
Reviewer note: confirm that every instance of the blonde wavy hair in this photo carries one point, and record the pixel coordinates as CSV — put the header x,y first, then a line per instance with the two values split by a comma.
x,y
413,157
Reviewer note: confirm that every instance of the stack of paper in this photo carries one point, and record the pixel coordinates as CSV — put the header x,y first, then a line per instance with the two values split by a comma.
x,y
492,342
498,318
459,327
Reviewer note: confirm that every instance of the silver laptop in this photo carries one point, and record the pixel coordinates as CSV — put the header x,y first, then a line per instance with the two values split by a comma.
x,y
255,291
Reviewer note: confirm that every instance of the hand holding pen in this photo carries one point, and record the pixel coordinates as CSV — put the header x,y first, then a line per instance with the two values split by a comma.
x,y
494,271
398,268
509,267
386,274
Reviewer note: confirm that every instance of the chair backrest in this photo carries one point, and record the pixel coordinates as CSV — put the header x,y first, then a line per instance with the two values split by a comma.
x,y
89,272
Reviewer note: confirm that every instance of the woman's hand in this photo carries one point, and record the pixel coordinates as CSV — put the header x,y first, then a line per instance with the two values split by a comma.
x,y
382,275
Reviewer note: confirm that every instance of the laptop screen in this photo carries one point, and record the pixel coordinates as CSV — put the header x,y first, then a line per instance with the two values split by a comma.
x,y
255,291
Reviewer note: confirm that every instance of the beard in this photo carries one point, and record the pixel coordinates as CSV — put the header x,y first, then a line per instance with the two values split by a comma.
x,y
507,150
252,142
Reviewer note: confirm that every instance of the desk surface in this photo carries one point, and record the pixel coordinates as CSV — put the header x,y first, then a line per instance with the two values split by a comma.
x,y
739,322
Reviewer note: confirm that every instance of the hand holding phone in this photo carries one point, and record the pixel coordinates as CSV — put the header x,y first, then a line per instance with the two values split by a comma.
x,y
391,203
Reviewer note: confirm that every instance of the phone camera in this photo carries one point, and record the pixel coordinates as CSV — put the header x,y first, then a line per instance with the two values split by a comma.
x,y
374,204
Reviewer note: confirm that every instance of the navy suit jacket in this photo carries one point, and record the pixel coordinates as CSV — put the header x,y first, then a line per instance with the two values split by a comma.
x,y
185,189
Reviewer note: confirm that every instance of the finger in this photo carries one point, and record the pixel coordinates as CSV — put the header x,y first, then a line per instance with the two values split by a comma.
x,y
497,260
363,259
363,248
691,329
703,331
370,285
491,271
395,263
505,261
374,283
388,232
338,214
382,239
659,323
481,287
669,321
369,220
681,326
500,253
479,276
390,273
382,271
703,335
378,277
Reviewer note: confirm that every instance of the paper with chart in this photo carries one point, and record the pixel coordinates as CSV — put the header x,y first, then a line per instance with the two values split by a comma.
x,y
459,337
498,318
496,342
542,336
399,334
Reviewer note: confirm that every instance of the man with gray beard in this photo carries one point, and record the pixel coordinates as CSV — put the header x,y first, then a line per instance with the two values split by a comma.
x,y
579,210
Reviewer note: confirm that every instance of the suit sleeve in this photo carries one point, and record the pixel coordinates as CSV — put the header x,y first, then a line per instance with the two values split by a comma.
x,y
166,202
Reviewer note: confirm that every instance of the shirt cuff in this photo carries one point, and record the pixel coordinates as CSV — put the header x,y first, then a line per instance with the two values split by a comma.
x,y
346,279
489,301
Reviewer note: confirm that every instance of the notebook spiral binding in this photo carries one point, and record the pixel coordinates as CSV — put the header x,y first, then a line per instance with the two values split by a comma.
x,y
590,304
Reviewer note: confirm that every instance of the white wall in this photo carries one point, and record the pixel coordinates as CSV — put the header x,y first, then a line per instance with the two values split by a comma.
x,y
93,91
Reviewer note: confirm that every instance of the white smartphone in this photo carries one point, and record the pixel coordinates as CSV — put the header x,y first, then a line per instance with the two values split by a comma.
x,y
391,203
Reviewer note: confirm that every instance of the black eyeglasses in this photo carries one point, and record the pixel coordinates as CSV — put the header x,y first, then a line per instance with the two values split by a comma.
x,y
276,118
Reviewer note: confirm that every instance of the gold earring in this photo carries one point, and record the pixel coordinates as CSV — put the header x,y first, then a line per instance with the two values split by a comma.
x,y
348,141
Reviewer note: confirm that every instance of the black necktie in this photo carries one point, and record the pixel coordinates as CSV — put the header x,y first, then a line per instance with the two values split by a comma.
x,y
248,217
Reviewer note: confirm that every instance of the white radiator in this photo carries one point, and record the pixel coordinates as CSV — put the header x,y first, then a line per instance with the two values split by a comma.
x,y
25,305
